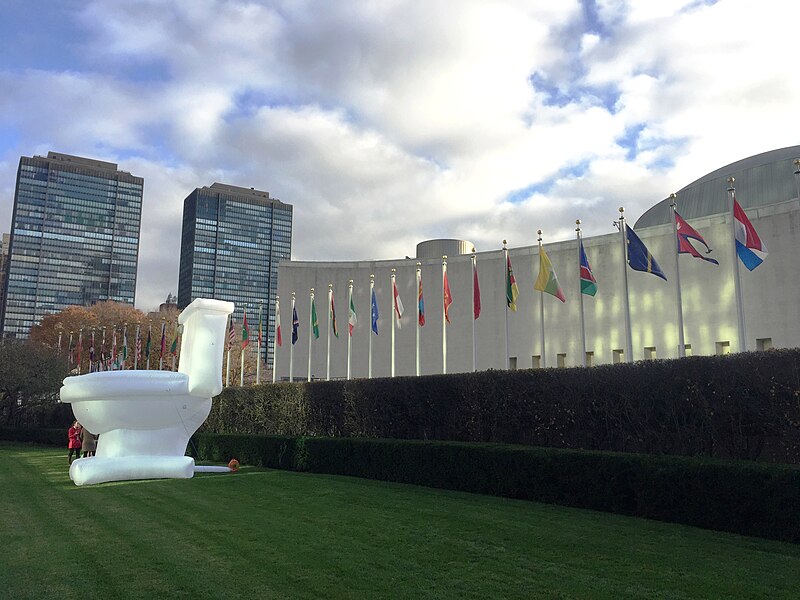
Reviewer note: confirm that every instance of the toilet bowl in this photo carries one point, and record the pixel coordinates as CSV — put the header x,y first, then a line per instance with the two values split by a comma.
x,y
144,419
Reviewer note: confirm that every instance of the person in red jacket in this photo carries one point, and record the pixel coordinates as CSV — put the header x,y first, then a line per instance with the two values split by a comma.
x,y
74,434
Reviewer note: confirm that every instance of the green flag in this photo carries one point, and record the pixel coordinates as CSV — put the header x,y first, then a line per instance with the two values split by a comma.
x,y
314,323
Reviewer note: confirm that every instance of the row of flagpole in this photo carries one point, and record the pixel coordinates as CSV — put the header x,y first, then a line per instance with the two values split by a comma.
x,y
746,245
116,360
245,342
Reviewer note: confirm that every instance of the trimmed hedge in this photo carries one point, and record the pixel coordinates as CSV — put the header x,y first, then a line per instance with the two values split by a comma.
x,y
45,437
749,498
740,497
742,406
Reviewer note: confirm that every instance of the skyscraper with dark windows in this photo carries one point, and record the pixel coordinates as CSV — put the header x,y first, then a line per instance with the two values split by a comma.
x,y
232,241
74,238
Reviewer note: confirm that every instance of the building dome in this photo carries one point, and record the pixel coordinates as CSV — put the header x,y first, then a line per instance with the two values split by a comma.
x,y
762,179
439,248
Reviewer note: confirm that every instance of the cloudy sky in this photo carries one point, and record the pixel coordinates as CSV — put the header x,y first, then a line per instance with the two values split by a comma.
x,y
389,122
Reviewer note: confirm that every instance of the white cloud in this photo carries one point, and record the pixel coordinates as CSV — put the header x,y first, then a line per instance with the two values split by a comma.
x,y
388,123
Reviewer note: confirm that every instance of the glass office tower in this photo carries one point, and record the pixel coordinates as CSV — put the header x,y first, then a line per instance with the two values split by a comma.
x,y
232,241
74,238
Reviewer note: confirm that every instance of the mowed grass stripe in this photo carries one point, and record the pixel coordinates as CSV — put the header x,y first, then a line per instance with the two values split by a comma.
x,y
294,535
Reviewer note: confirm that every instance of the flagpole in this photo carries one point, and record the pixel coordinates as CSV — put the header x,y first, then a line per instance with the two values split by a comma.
x,y
137,345
349,333
125,346
737,284
681,340
474,347
80,348
69,352
419,283
330,326
291,346
444,320
149,341
103,348
625,296
580,293
505,279
60,327
310,329
394,315
541,307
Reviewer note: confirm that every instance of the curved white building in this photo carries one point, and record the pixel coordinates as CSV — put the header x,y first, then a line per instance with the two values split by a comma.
x,y
767,187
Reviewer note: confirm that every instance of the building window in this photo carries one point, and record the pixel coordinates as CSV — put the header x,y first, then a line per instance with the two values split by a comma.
x,y
618,356
512,363
764,344
723,348
687,349
590,359
561,360
536,361
649,352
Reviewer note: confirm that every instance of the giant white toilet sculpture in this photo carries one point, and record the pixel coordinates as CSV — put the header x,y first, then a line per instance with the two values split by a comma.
x,y
145,418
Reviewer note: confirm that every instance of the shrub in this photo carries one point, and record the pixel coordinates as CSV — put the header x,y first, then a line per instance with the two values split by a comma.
x,y
45,437
741,497
744,406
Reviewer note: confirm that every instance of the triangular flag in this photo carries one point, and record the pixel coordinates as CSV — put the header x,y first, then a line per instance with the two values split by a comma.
x,y
588,282
686,233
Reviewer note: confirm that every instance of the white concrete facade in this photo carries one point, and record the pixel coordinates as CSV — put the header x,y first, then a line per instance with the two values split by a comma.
x,y
771,304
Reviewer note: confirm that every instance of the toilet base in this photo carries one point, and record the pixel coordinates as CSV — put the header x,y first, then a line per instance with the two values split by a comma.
x,y
99,469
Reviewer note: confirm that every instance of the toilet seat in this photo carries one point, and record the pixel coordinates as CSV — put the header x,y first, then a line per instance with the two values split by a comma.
x,y
107,385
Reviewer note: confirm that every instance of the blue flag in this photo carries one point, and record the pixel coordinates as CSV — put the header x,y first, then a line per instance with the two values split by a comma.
x,y
639,257
295,325
375,315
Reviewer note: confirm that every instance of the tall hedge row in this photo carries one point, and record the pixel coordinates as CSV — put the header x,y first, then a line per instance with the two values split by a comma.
x,y
743,406
740,497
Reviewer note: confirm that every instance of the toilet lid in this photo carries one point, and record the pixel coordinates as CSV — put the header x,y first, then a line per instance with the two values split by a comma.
x,y
108,385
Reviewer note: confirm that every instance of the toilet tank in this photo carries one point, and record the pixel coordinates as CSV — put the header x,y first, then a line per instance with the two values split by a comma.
x,y
203,345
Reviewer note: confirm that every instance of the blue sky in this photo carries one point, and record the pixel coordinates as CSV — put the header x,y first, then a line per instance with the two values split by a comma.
x,y
400,121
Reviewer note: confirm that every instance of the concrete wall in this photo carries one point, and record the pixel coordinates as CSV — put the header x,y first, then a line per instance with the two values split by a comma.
x,y
771,293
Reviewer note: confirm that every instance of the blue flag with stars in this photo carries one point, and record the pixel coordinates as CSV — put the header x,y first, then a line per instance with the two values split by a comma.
x,y
375,315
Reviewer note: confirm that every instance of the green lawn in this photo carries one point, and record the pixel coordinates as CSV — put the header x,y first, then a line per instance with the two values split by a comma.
x,y
277,534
